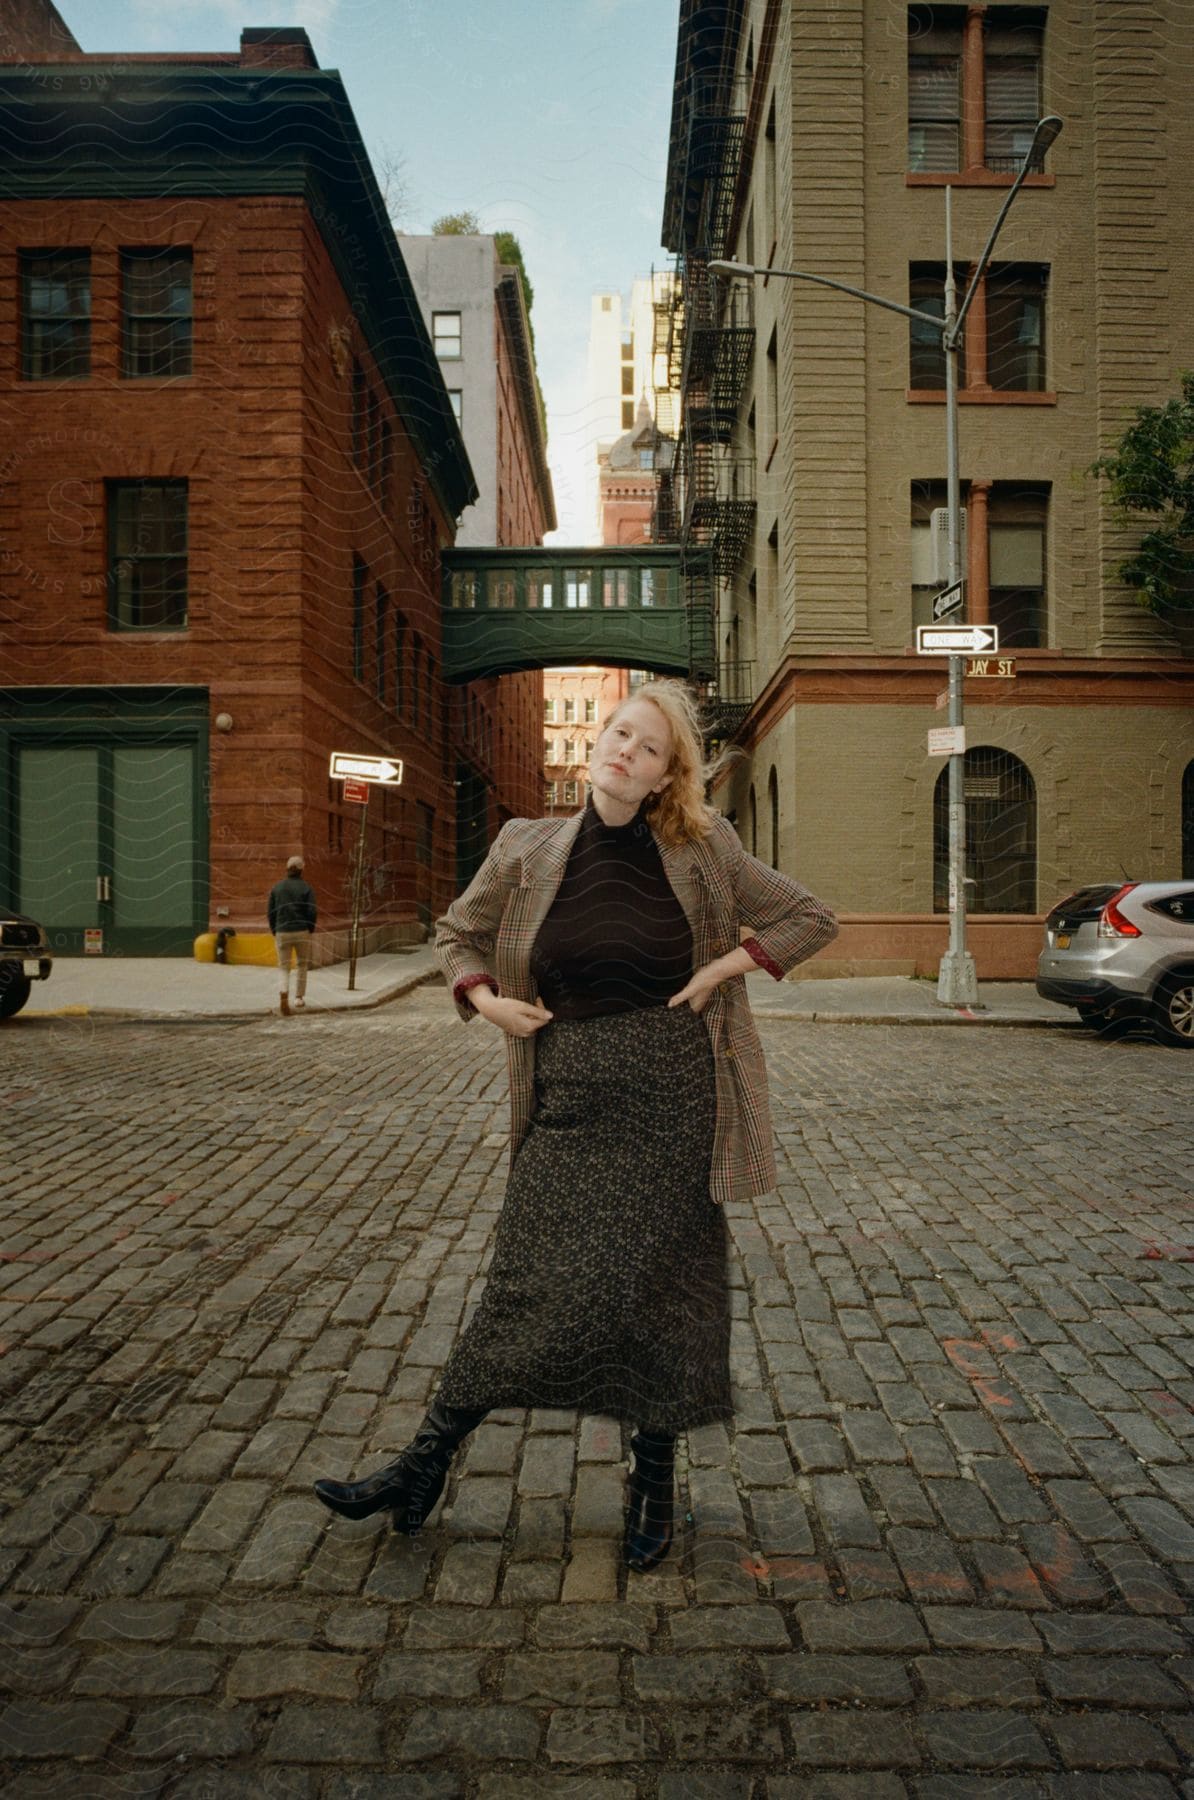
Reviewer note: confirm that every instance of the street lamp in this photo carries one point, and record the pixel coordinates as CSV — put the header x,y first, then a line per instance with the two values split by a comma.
x,y
957,983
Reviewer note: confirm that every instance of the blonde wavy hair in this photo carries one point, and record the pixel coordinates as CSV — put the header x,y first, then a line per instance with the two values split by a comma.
x,y
681,812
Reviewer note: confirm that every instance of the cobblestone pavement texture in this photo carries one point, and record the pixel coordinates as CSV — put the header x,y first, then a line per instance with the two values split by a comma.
x,y
947,1549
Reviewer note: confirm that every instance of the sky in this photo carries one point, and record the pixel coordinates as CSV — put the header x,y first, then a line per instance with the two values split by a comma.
x,y
548,118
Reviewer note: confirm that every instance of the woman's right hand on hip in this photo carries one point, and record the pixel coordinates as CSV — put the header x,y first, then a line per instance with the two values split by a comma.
x,y
517,1018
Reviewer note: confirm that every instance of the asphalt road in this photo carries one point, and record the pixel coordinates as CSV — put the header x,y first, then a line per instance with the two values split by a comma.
x,y
947,1550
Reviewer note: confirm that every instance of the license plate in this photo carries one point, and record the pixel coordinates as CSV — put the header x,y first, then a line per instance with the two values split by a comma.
x,y
1062,941
32,969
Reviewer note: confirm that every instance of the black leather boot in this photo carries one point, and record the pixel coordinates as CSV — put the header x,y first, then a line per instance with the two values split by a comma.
x,y
412,1484
651,1498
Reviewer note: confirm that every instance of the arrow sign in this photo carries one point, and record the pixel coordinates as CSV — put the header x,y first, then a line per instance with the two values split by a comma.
x,y
345,765
949,600
955,640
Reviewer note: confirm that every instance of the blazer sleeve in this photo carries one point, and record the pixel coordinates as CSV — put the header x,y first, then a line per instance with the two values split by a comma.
x,y
787,922
466,934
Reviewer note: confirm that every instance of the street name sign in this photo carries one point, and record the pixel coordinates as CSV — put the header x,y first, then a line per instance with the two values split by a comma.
x,y
947,740
949,600
955,640
990,668
383,769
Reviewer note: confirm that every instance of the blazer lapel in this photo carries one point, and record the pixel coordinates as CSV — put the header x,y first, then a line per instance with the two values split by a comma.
x,y
542,872
681,867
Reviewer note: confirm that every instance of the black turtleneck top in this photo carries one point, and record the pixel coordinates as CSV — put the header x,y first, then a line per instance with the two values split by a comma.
x,y
616,938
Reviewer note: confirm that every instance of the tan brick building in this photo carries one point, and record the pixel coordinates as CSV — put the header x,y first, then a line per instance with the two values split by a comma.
x,y
821,137
230,466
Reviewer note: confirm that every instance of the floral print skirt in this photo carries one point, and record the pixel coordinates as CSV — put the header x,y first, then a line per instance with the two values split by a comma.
x,y
607,1291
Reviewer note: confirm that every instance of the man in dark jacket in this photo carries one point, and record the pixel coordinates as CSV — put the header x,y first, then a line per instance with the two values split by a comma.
x,y
292,921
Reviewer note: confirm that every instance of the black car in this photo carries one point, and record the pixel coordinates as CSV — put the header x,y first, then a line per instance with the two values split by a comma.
x,y
24,958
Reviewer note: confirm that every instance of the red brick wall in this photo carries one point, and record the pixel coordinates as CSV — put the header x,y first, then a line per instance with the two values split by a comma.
x,y
261,431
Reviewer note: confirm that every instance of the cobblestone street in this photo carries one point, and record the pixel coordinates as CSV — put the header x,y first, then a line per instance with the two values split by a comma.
x,y
947,1550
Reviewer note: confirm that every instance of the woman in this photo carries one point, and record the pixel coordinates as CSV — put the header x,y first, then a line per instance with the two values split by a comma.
x,y
606,947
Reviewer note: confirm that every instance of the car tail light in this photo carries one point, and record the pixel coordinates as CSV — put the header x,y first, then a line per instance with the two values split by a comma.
x,y
1112,923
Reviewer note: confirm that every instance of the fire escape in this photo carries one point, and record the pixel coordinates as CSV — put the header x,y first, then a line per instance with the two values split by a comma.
x,y
705,343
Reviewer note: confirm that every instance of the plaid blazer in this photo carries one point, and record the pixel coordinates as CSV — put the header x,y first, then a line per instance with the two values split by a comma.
x,y
489,930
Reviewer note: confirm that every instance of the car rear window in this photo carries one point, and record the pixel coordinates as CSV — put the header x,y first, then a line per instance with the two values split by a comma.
x,y
1085,903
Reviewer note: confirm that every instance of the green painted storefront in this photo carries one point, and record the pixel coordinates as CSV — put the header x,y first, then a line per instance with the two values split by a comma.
x,y
103,815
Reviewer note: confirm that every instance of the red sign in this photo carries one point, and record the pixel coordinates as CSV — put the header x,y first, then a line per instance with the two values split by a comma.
x,y
357,790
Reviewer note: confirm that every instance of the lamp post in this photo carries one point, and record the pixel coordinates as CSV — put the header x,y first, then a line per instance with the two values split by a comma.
x,y
957,982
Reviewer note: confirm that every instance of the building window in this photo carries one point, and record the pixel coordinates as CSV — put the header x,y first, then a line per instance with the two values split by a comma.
x,y
1000,834
615,587
416,677
445,332
577,587
55,315
571,793
1015,339
590,711
1003,347
570,712
1017,520
628,379
400,693
360,416
360,577
549,794
934,88
627,414
1003,554
147,555
156,313
994,56
424,832
568,752
549,750
549,712
381,605
456,401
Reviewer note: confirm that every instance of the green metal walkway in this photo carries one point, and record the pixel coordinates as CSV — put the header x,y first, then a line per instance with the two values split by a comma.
x,y
542,607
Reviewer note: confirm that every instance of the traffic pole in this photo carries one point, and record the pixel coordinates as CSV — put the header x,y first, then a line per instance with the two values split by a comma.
x,y
358,872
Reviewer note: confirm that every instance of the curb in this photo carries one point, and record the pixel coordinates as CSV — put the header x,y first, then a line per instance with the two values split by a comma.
x,y
113,1015
842,1018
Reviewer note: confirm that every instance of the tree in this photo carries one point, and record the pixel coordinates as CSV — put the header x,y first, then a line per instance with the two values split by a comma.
x,y
461,224
1151,476
390,168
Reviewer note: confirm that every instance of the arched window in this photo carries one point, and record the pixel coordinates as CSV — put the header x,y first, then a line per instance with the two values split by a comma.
x,y
1188,823
753,821
773,797
1000,834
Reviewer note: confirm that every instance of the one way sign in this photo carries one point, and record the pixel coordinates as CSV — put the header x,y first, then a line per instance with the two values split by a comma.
x,y
384,769
956,640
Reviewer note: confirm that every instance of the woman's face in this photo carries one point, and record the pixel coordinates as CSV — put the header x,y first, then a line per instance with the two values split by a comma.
x,y
632,754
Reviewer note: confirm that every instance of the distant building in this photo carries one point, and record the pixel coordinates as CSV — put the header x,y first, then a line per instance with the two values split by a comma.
x,y
823,137
474,309
626,367
630,473
229,468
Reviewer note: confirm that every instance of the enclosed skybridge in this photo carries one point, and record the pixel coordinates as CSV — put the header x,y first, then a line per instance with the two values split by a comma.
x,y
541,608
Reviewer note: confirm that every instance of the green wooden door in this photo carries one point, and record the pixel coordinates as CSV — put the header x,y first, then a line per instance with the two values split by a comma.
x,y
107,836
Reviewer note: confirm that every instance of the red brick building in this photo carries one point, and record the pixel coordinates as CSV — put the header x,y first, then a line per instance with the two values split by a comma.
x,y
230,467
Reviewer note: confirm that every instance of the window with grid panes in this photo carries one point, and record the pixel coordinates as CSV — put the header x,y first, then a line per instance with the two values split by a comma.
x,y
147,555
445,332
935,88
590,711
55,314
156,312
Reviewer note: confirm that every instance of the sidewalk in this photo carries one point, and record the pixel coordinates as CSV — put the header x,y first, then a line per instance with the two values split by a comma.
x,y
178,989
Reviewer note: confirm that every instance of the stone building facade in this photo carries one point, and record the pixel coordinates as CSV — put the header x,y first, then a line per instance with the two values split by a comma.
x,y
474,309
822,137
230,468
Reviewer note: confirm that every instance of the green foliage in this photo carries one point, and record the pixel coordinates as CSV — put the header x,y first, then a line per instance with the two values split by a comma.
x,y
509,252
1151,476
461,224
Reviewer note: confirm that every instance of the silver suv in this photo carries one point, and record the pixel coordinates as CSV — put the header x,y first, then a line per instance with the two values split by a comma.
x,y
1124,951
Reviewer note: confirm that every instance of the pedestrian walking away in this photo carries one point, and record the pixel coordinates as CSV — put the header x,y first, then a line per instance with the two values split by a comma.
x,y
292,915
607,947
